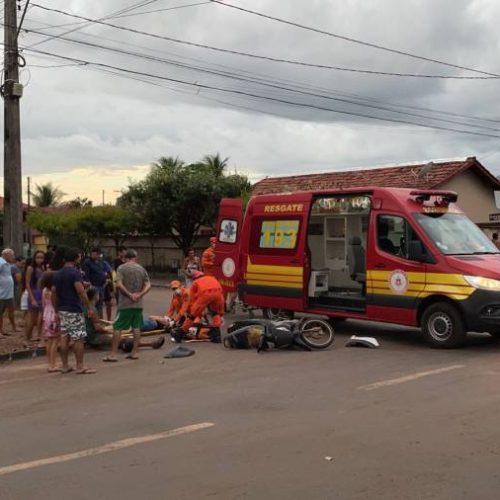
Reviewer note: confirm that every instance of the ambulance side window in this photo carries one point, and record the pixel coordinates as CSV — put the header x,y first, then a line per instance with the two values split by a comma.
x,y
274,236
393,235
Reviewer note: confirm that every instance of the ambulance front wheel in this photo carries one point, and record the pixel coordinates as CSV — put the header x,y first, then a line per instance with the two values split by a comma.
x,y
276,314
443,326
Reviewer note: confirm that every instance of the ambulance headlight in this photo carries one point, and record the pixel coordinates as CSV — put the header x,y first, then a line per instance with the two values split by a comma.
x,y
483,283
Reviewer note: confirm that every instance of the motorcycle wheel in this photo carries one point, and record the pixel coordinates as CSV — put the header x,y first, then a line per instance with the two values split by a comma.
x,y
316,333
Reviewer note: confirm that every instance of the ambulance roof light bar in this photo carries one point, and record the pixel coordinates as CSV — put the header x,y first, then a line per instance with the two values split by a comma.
x,y
446,197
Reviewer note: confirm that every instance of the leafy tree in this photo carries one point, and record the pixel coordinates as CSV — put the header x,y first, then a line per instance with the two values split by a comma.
x,y
47,195
84,227
143,201
177,199
78,203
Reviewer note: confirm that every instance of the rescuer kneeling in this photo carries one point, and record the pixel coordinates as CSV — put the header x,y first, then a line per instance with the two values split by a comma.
x,y
205,294
178,309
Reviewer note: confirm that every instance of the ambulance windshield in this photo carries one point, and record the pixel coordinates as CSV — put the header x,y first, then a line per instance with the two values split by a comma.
x,y
455,234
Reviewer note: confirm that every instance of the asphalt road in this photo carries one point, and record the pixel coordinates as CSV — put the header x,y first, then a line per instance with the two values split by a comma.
x,y
399,422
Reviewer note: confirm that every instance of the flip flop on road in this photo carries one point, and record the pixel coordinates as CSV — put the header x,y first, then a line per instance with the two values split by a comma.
x,y
86,371
55,370
130,356
67,370
109,359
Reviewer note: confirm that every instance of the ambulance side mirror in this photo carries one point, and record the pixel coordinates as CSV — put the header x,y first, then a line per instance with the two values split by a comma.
x,y
418,253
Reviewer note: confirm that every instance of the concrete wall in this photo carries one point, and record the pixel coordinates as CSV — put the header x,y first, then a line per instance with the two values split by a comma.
x,y
167,255
475,196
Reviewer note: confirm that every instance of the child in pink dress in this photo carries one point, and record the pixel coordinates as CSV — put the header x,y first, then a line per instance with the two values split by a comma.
x,y
50,328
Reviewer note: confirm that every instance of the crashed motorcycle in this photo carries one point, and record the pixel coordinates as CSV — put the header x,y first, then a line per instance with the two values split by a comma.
x,y
306,334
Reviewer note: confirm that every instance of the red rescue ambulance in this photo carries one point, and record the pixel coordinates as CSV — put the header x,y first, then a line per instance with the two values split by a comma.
x,y
402,256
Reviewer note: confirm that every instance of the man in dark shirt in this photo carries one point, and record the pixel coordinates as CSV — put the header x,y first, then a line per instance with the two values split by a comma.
x,y
120,258
69,299
96,275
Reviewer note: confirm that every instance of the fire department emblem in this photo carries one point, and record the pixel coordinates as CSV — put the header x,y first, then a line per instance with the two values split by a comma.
x,y
228,267
398,281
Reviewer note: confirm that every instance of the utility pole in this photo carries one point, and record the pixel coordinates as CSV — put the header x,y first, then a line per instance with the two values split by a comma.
x,y
12,92
28,232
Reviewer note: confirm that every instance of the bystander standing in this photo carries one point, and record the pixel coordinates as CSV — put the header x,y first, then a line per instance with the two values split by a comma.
x,y
69,299
33,275
6,289
96,274
191,265
132,282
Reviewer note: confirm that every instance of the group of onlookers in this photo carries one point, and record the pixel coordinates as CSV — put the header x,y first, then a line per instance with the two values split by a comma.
x,y
63,298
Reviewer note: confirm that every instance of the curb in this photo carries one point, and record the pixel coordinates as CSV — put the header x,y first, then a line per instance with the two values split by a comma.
x,y
25,354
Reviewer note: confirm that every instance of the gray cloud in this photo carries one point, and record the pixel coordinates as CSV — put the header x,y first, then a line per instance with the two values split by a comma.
x,y
77,117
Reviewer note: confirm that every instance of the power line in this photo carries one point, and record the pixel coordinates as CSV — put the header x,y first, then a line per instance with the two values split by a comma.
x,y
255,56
26,5
197,95
142,3
352,40
266,98
268,84
165,9
303,85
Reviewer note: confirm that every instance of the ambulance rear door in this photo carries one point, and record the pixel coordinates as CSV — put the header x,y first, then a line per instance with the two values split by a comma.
x,y
227,247
275,266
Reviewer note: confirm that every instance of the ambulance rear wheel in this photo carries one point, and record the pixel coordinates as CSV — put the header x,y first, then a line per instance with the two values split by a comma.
x,y
443,326
276,314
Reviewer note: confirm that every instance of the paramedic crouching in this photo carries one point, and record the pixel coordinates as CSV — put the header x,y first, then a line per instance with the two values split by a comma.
x,y
179,306
205,294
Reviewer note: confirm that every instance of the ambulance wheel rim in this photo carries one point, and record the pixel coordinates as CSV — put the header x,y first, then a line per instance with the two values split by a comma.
x,y
440,326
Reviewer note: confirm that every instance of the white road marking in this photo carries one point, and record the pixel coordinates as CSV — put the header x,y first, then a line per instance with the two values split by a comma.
x,y
106,448
408,378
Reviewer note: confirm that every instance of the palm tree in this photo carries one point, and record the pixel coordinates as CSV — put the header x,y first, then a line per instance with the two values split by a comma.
x,y
47,195
168,164
215,163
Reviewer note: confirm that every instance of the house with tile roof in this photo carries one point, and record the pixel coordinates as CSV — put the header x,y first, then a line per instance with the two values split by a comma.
x,y
474,184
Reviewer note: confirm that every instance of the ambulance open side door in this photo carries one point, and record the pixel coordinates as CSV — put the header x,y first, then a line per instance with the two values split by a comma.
x,y
227,247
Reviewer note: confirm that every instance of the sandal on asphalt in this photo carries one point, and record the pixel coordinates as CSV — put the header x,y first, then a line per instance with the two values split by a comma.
x,y
86,371
67,370
108,359
54,370
132,357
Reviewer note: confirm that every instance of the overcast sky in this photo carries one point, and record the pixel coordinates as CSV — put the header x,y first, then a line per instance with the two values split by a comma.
x,y
88,130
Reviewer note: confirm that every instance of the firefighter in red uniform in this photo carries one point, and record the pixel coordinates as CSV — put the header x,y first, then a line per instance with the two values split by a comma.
x,y
208,258
205,293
